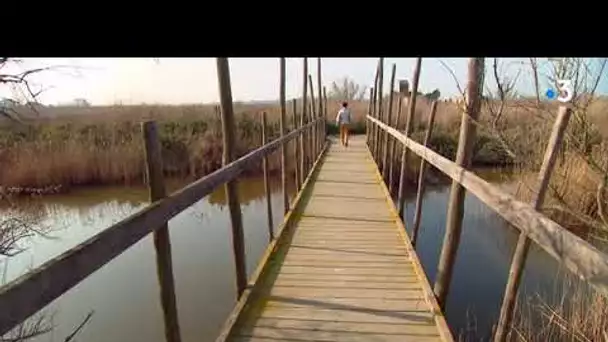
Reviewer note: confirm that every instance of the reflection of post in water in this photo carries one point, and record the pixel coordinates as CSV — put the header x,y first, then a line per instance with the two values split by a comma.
x,y
249,189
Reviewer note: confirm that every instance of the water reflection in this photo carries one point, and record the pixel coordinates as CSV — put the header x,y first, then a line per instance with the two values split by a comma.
x,y
124,293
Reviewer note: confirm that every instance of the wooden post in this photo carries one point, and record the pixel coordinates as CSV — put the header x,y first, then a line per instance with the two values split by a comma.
x,y
325,114
387,138
374,128
370,113
283,146
303,140
394,148
523,244
162,240
411,110
313,117
267,182
464,155
421,175
377,147
311,136
320,128
296,149
228,129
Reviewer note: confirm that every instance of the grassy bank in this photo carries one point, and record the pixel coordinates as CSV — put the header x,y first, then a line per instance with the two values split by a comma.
x,y
70,146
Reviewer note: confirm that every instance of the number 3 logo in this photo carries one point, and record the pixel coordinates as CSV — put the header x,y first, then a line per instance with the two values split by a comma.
x,y
565,90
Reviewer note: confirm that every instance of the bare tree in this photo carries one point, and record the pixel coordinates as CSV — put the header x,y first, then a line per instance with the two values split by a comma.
x,y
18,225
347,89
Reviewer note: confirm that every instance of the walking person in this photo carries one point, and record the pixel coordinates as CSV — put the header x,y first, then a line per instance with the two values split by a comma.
x,y
343,121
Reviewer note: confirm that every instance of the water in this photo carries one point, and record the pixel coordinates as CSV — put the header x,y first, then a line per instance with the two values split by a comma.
x,y
482,263
124,294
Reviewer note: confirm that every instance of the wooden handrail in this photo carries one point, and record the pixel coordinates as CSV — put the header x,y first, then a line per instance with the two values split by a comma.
x,y
579,256
26,295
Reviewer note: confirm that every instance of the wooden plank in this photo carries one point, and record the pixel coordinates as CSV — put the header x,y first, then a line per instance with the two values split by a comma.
x,y
317,269
413,328
579,256
341,303
337,285
355,278
311,334
350,314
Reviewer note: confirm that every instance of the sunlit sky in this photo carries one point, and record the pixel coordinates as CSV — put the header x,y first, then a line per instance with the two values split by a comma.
x,y
194,80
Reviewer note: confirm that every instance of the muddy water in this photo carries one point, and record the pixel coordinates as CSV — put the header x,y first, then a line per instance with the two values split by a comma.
x,y
123,295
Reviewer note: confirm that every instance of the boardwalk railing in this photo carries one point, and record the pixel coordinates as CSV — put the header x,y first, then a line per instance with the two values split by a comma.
x,y
26,295
579,256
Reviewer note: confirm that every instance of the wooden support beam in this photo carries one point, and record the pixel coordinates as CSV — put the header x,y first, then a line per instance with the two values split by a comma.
x,y
518,262
162,240
464,155
231,187
321,125
409,123
387,138
378,147
370,112
267,182
296,148
284,146
324,115
421,174
391,182
313,117
303,121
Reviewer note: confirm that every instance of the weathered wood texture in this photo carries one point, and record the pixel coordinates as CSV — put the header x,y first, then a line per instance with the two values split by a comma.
x,y
464,156
24,296
282,124
296,147
523,244
421,175
343,272
391,182
303,119
231,187
387,160
313,115
580,257
409,124
267,183
378,105
162,240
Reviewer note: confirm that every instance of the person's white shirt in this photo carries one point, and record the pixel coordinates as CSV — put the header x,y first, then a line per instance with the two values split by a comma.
x,y
343,116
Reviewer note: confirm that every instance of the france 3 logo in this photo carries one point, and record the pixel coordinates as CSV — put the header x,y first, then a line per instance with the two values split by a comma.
x,y
565,92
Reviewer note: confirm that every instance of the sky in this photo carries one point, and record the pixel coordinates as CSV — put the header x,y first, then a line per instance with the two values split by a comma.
x,y
105,81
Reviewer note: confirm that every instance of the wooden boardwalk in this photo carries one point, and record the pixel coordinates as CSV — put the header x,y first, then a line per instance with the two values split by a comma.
x,y
345,270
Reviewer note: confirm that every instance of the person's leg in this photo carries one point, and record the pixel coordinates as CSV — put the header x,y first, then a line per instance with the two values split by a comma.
x,y
342,134
346,132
